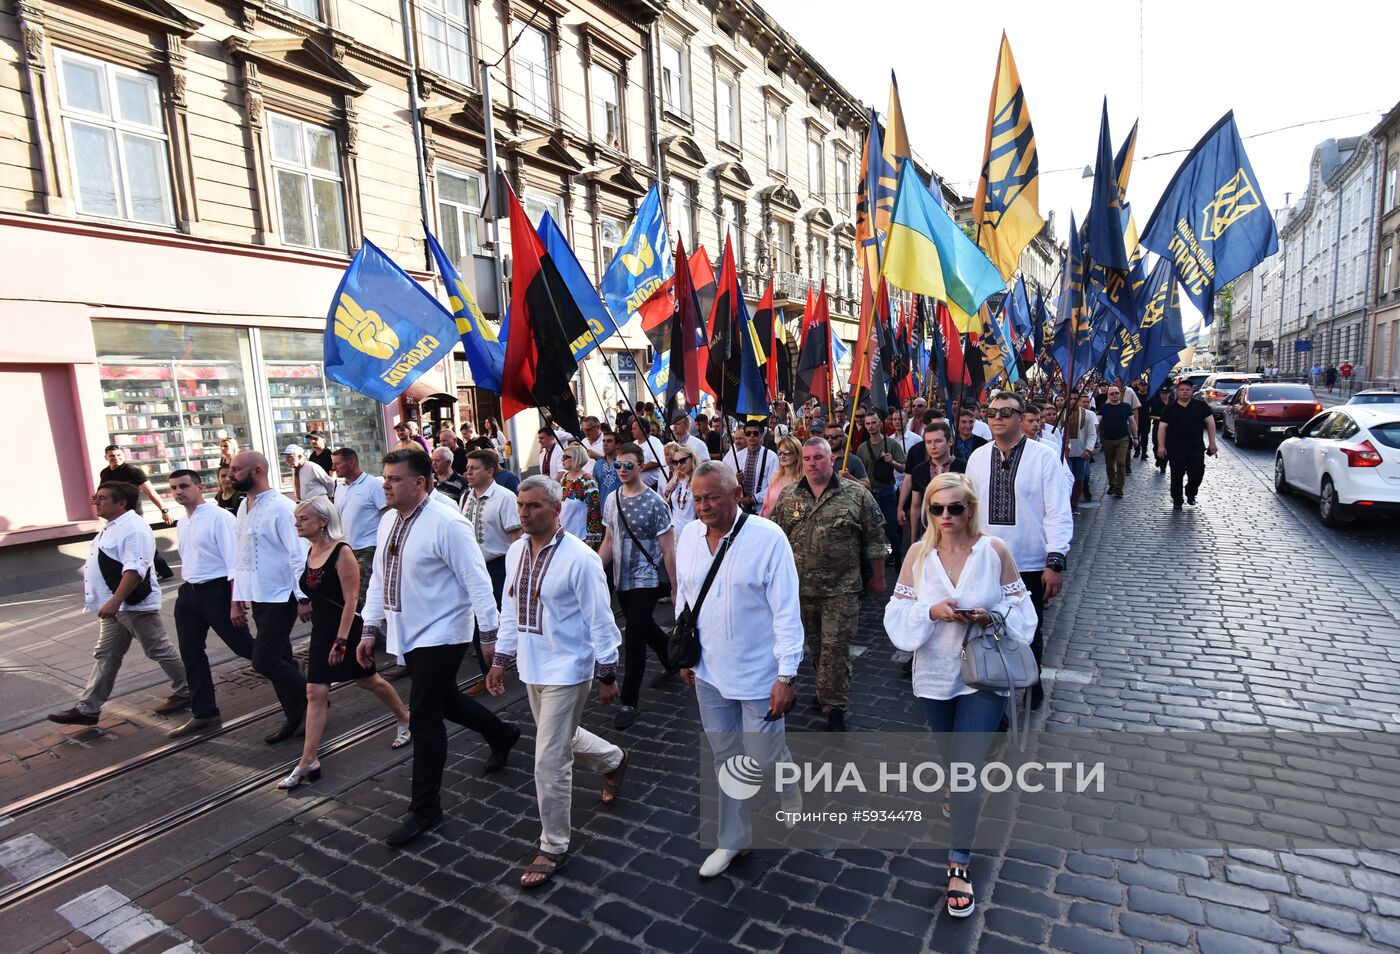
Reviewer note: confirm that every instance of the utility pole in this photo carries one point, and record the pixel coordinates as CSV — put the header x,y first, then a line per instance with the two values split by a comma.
x,y
494,210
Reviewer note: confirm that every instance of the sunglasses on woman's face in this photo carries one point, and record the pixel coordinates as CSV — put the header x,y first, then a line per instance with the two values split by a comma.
x,y
678,461
954,509
624,465
786,454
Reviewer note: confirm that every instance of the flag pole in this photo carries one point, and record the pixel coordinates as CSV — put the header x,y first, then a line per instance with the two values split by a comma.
x,y
860,378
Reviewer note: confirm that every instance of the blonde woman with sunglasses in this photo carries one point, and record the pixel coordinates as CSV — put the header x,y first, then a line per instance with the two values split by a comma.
x,y
955,576
682,460
789,472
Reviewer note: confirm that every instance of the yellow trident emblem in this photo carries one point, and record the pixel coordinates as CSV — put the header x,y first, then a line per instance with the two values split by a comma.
x,y
365,330
1233,201
464,299
645,257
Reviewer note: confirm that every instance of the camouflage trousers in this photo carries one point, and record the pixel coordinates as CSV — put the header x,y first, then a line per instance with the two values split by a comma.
x,y
829,623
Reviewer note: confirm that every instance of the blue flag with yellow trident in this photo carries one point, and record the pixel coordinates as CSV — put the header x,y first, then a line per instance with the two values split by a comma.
x,y
383,329
1212,222
486,355
642,263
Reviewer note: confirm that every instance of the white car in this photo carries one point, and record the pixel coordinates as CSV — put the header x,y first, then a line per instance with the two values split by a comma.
x,y
1348,458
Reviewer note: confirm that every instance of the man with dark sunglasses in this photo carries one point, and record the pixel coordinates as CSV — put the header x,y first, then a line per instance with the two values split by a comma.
x,y
1021,488
755,466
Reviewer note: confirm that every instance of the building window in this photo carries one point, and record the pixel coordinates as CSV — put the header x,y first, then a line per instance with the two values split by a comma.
x,y
681,212
727,110
777,141
459,210
117,145
307,8
843,272
537,205
310,199
782,247
732,227
446,32
610,231
1390,187
1387,255
607,107
818,269
816,167
533,82
843,184
675,81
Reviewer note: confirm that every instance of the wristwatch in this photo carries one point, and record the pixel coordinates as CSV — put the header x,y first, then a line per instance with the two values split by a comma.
x,y
303,601
163,510
787,680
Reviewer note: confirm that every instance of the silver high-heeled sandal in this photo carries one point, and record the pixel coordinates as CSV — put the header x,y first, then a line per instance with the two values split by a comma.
x,y
300,776
401,737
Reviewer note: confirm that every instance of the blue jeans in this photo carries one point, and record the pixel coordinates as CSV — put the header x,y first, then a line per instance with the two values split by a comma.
x,y
969,721
735,727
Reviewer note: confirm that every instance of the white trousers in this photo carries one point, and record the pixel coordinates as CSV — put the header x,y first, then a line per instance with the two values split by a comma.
x,y
559,743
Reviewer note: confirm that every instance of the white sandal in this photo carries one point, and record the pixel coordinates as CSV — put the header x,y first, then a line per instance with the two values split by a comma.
x,y
402,737
300,776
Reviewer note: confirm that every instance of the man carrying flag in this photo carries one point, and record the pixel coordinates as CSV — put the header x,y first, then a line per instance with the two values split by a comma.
x,y
1212,222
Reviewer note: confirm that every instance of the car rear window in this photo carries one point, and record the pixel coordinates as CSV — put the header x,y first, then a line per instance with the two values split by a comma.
x,y
1387,433
1228,386
1376,399
1281,392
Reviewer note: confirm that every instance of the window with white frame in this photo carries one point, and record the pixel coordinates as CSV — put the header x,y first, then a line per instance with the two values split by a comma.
x,y
533,75
843,272
1386,261
782,246
310,193
607,106
680,212
732,226
727,110
446,38
308,8
816,167
843,183
1390,187
610,232
537,205
675,79
117,146
777,140
459,211
818,265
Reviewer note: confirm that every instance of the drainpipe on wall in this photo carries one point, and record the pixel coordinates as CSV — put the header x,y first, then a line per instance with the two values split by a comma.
x,y
1367,302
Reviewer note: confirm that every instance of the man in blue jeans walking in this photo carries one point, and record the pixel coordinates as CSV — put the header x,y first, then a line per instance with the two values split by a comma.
x,y
883,457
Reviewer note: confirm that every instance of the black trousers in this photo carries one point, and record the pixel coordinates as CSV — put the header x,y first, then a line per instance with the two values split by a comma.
x,y
1146,430
162,568
433,696
1189,466
1035,586
641,633
496,569
200,607
272,655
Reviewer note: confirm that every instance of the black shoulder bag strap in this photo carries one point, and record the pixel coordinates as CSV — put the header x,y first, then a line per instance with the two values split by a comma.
x,y
683,645
714,567
621,515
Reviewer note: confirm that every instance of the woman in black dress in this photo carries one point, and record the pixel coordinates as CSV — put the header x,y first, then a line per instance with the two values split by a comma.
x,y
331,572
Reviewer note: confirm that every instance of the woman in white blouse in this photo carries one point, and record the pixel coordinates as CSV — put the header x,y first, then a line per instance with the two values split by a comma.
x,y
954,576
682,460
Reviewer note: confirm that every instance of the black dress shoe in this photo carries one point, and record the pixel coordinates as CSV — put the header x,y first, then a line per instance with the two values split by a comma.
x,y
663,677
72,717
836,720
1191,501
497,759
289,728
626,715
414,826
1037,696
1176,504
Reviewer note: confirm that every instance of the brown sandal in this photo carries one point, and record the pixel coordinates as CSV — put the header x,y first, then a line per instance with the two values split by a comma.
x,y
546,868
612,781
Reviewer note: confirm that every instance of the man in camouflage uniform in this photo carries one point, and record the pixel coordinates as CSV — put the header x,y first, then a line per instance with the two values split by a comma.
x,y
834,526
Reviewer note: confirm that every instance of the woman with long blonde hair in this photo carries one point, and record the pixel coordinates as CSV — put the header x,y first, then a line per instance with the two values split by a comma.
x,y
682,460
954,577
789,471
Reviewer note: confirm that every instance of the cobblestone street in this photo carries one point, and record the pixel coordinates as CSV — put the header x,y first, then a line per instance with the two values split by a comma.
x,y
1240,614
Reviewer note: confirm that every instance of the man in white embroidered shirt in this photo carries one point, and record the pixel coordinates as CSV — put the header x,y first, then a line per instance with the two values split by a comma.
x,y
430,580
551,454
755,466
490,509
1021,485
751,637
206,541
118,585
557,629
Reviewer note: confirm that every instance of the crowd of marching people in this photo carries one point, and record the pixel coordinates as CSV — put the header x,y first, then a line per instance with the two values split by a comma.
x,y
762,534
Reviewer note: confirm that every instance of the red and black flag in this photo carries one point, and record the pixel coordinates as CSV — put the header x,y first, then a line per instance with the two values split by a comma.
x,y
655,315
544,319
768,325
686,345
814,378
732,369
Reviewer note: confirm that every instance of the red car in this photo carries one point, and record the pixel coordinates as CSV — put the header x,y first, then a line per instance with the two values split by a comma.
x,y
1258,409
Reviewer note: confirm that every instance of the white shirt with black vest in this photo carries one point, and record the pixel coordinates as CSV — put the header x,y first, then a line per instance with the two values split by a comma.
x,y
765,465
205,539
750,625
557,623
